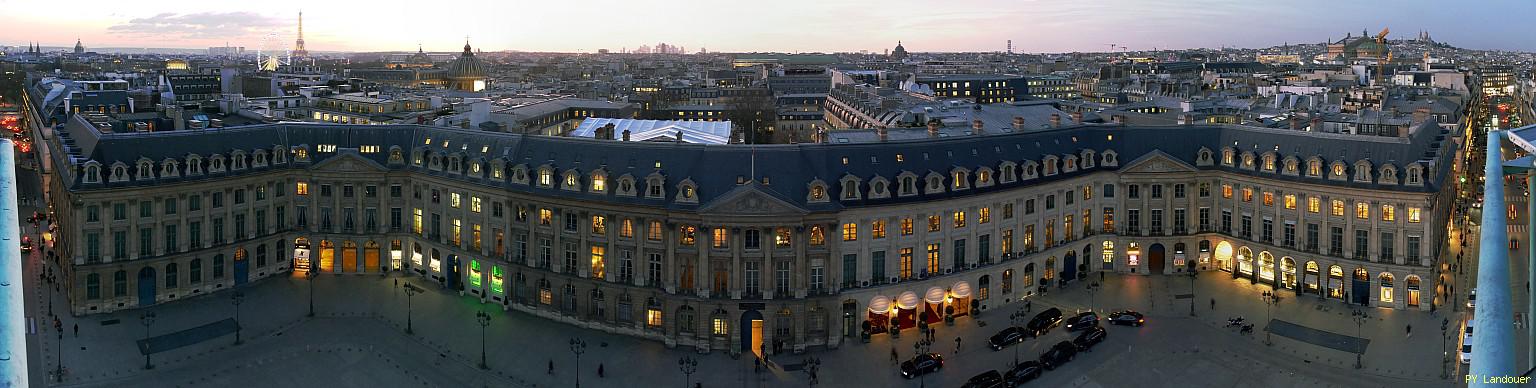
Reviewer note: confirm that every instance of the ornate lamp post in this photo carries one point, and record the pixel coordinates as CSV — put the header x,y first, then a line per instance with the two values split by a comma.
x,y
578,346
687,365
1270,300
922,346
237,298
310,275
410,291
147,318
484,320
1192,276
1359,317
1014,319
1445,357
58,373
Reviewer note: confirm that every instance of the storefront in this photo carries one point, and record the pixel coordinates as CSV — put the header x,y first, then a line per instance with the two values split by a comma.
x,y
1310,278
1288,272
961,291
906,310
933,309
878,317
1266,267
301,254
1244,262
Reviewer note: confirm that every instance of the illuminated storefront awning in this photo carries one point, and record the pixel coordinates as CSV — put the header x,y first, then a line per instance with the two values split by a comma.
x,y
881,304
907,300
961,289
934,295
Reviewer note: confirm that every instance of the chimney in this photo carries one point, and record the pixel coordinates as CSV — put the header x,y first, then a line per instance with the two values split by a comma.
x,y
1404,130
1055,120
1295,124
976,126
1317,123
1018,123
882,133
1118,119
679,136
1077,118
608,131
626,135
933,128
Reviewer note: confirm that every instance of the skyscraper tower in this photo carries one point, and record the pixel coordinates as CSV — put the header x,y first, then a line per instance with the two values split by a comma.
x,y
298,45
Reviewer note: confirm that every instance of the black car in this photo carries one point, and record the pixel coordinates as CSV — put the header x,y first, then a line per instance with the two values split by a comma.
x,y
1092,336
1083,320
1008,336
1059,354
1127,317
921,365
988,379
1024,372
1044,321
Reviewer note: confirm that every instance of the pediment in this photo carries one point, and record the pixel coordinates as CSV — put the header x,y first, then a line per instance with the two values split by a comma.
x,y
347,160
750,200
1156,162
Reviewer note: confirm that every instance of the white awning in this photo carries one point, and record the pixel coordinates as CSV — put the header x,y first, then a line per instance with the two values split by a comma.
x,y
961,289
880,304
907,300
935,295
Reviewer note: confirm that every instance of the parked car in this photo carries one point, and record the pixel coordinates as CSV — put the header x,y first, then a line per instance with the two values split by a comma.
x,y
1472,298
1468,330
1044,321
988,379
1089,338
1083,320
1058,355
1009,336
26,244
921,365
1127,317
1024,372
1466,353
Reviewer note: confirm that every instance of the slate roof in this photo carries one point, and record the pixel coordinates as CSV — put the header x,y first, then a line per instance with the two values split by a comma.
x,y
716,169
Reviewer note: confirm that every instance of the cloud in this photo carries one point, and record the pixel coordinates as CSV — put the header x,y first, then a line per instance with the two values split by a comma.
x,y
204,25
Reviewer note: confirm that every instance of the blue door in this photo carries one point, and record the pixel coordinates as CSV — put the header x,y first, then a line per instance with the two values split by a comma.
x,y
147,286
242,270
1069,271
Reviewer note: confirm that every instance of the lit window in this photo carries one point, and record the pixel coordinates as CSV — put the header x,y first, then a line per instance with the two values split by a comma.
x,y
959,219
906,227
689,236
474,204
719,328
599,225
1362,210
1226,191
933,223
984,215
1413,214
818,236
1314,204
877,229
453,200
599,183
546,216
1247,194
720,238
1290,201
782,237
1269,199
1338,207
302,188
850,231
1388,213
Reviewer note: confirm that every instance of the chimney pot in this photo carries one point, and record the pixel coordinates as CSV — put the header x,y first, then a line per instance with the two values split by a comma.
x,y
626,135
1055,120
976,127
1077,118
882,133
1018,122
933,128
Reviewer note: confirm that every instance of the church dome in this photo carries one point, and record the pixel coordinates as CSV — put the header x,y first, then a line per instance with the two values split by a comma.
x,y
467,66
419,58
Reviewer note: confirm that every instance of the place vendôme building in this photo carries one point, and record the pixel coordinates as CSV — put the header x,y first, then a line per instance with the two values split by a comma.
x,y
743,248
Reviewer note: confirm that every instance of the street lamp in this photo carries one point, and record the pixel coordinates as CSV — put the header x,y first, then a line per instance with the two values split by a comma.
x,y
237,298
147,318
1270,300
812,365
1360,317
58,374
410,291
578,346
922,346
310,275
1014,319
485,320
687,365
1192,276
1445,357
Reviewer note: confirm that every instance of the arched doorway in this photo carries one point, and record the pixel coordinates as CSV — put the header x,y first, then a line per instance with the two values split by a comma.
x,y
348,257
1335,282
1244,263
1413,290
1069,267
1360,287
1155,259
1309,279
1386,296
752,333
1181,259
1223,256
1050,271
1267,267
371,256
242,267
1288,272
327,256
1109,255
301,254
146,286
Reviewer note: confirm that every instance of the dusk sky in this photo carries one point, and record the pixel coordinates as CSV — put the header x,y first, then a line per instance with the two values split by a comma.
x,y
785,25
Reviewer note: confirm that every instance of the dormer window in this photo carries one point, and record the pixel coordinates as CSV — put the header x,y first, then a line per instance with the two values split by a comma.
x,y
546,177
908,184
1388,175
1315,168
279,155
1050,165
1362,172
687,191
119,172
1248,160
1412,175
1204,158
818,192
653,186
572,181
260,159
961,183
983,177
850,189
474,167
168,168
1071,164
301,154
878,188
145,171
1290,166
1338,170
1007,173
435,162
1087,159
935,184
626,185
1030,170
1111,159
1226,156
194,165
239,160
498,170
599,183
417,157
396,156
1269,162
93,172
520,174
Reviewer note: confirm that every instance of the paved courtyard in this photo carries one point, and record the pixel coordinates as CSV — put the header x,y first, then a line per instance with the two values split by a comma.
x,y
357,339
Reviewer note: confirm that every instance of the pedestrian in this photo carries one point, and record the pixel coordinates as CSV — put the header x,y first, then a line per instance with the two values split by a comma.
x,y
893,355
1028,305
957,344
1213,303
77,330
1101,276
599,370
1410,331
551,366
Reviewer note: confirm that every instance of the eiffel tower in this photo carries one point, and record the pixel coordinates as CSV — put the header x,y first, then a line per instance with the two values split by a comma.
x,y
298,45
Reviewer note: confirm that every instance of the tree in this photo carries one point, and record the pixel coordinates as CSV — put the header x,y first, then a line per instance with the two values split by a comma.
x,y
752,113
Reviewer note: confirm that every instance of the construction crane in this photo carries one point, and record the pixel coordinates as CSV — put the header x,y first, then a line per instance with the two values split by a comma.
x,y
1381,55
1111,47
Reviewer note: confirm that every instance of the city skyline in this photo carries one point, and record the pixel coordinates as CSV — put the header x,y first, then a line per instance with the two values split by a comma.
x,y
796,26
